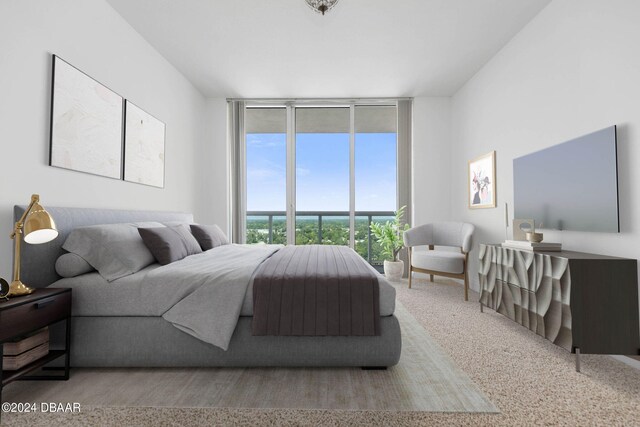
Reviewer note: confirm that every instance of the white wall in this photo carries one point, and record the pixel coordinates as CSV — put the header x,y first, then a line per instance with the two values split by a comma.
x,y
93,37
431,154
213,173
572,70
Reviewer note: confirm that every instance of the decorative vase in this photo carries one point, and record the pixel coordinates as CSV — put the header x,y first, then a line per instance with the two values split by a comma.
x,y
534,237
393,269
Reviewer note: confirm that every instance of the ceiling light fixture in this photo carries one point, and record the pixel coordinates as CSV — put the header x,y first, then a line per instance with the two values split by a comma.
x,y
321,6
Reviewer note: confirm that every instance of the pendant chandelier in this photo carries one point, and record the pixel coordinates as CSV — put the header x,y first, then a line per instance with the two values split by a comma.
x,y
321,6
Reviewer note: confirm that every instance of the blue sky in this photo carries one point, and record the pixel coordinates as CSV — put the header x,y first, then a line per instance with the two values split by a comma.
x,y
322,172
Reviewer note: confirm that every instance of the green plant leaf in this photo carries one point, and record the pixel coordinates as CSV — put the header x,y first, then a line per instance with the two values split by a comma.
x,y
390,234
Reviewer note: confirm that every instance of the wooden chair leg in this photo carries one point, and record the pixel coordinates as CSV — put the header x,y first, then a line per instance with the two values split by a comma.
x,y
466,285
410,268
431,277
466,276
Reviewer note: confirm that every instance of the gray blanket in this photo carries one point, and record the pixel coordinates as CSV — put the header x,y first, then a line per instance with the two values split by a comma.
x,y
316,290
208,295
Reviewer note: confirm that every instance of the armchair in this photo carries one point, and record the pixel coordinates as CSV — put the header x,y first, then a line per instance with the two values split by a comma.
x,y
445,263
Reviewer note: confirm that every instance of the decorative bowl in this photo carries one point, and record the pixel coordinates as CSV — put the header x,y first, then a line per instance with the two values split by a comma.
x,y
534,237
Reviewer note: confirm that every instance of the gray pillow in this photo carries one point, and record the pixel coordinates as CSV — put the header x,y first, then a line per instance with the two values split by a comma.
x,y
72,265
169,244
115,250
209,236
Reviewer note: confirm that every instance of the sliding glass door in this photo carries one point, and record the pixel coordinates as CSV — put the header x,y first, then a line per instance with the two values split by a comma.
x,y
266,175
320,174
375,172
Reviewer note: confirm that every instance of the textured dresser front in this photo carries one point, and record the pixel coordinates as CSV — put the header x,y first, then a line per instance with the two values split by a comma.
x,y
529,288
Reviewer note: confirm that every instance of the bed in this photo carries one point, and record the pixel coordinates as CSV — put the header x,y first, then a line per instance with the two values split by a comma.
x,y
111,329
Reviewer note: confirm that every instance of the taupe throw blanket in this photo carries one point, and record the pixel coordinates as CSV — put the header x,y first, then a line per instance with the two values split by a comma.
x,y
315,290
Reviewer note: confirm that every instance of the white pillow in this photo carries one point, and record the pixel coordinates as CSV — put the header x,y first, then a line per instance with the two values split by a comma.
x,y
115,250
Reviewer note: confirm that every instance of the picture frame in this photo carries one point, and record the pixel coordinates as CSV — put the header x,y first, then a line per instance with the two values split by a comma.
x,y
86,123
481,181
144,147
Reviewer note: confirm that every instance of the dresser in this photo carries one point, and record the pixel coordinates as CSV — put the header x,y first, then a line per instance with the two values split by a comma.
x,y
582,302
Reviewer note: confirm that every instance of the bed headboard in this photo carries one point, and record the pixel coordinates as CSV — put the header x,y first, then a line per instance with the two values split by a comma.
x,y
38,261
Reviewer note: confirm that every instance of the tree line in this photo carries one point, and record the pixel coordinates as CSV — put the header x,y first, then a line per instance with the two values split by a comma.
x,y
334,232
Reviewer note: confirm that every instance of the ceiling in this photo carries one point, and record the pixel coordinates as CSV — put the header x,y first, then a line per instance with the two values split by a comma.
x,y
360,48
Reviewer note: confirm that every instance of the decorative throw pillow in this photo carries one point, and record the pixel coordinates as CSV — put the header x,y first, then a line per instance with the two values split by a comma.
x,y
209,236
115,250
72,265
169,244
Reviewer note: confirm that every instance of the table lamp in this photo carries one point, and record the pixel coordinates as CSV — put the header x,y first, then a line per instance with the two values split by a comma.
x,y
38,227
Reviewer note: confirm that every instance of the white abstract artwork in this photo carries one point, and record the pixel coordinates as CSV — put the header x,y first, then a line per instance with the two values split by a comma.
x,y
144,147
86,123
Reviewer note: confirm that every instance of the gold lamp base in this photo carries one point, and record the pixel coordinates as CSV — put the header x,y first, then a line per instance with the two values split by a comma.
x,y
17,288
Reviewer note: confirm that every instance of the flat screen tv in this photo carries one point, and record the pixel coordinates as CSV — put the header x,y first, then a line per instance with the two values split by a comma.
x,y
570,186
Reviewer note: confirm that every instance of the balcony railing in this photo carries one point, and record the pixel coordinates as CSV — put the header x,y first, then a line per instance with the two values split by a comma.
x,y
319,227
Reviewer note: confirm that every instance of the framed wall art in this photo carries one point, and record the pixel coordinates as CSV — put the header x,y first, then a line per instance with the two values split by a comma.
x,y
86,123
481,181
144,139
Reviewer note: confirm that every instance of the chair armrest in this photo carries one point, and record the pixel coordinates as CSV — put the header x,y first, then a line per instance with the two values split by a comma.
x,y
467,237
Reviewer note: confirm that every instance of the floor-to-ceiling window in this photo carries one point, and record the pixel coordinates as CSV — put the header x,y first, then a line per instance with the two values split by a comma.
x,y
375,174
322,175
266,175
319,174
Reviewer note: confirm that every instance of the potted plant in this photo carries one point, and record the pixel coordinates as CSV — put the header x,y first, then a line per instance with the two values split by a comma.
x,y
389,236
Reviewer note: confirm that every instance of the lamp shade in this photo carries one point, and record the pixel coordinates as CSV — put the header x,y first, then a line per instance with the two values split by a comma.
x,y
39,226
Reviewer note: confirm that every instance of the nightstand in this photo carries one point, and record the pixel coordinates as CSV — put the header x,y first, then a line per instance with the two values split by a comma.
x,y
24,314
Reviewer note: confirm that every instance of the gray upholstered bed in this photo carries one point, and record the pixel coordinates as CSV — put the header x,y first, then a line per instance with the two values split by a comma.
x,y
107,334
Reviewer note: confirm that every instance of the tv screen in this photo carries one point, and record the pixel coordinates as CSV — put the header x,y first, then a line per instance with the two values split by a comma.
x,y
570,186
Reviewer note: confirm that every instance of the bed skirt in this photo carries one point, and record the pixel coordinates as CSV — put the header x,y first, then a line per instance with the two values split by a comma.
x,y
154,342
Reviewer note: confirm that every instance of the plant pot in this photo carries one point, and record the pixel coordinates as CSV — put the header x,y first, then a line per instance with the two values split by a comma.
x,y
393,269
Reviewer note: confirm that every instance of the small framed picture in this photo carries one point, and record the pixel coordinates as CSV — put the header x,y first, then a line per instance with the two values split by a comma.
x,y
482,181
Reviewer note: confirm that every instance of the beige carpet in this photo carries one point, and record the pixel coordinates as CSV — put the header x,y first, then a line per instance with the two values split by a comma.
x,y
530,380
424,380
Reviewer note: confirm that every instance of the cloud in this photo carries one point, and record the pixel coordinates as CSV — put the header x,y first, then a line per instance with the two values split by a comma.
x,y
262,174
265,141
303,172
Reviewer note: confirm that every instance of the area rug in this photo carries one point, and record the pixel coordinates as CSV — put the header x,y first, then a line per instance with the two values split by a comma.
x,y
425,380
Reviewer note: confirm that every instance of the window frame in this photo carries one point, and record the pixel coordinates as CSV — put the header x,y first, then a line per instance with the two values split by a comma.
x,y
237,140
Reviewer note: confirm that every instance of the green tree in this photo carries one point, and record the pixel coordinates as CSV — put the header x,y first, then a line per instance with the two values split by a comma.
x,y
335,231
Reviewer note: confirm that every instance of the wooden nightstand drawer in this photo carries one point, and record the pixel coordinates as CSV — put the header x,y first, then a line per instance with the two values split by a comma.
x,y
32,313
